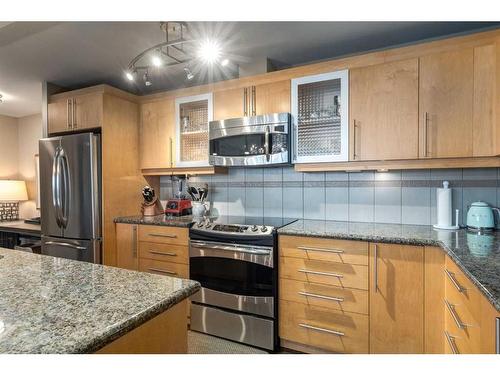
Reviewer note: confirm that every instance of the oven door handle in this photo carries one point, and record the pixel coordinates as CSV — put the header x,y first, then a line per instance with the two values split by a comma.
x,y
211,246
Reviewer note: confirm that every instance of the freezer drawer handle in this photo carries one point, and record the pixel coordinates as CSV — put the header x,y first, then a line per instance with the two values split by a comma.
x,y
338,299
321,273
337,333
65,244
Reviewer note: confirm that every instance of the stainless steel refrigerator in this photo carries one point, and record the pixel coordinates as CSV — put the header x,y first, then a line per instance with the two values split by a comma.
x,y
70,196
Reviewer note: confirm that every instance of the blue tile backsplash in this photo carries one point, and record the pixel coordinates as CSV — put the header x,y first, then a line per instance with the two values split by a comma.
x,y
407,197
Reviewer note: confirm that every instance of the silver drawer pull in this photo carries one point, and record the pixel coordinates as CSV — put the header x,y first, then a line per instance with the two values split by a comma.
x,y
338,299
162,253
454,281
454,315
337,333
451,342
162,271
321,273
335,251
163,235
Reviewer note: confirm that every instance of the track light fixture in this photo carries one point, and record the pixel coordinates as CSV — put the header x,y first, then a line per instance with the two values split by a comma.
x,y
189,74
147,81
224,62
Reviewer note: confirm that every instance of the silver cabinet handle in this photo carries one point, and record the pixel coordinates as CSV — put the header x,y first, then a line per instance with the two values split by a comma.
x,y
65,244
73,114
355,155
426,128
162,271
162,253
163,235
245,99
375,268
321,273
254,111
337,333
338,299
454,315
335,251
454,281
68,114
451,342
134,241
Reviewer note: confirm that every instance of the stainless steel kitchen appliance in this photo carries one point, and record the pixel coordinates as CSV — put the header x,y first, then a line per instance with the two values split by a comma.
x,y
235,260
70,191
250,141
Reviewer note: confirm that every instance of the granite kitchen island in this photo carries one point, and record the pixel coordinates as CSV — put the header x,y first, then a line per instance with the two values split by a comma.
x,y
54,305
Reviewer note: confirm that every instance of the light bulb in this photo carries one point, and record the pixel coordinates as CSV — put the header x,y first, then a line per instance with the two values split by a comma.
x,y
129,76
224,62
156,61
209,51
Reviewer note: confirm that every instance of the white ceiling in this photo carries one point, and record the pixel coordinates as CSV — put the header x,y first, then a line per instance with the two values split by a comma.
x,y
77,54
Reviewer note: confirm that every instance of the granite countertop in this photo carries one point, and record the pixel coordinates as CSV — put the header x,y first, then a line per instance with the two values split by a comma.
x,y
162,220
55,305
477,255
19,226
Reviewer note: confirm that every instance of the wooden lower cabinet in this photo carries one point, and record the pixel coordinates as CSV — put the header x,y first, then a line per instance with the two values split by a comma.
x,y
434,339
331,330
126,244
396,298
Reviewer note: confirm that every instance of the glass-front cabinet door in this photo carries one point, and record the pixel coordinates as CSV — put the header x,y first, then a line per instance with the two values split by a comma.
x,y
319,115
192,115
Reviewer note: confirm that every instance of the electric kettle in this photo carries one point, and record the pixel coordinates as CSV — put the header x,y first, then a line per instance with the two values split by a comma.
x,y
480,216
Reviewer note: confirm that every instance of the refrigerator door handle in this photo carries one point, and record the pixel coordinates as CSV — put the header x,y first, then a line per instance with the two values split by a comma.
x,y
66,184
65,244
56,186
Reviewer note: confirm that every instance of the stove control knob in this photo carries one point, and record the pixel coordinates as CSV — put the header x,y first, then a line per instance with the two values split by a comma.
x,y
263,229
200,224
208,225
254,228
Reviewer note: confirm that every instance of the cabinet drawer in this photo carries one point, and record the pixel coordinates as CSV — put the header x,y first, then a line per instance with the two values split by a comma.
x,y
330,273
455,344
170,235
164,268
352,252
460,291
323,328
349,300
164,252
462,327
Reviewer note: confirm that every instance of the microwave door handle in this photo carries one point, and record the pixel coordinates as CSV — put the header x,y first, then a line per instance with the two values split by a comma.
x,y
267,143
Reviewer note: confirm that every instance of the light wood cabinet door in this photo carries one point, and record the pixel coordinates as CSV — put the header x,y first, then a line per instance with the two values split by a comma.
x,y
229,103
272,98
59,116
126,246
157,134
434,286
87,111
384,111
446,97
396,299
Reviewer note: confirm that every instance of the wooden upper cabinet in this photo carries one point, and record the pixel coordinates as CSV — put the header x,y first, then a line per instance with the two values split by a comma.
x,y
485,121
253,100
87,111
384,111
446,99
396,299
59,116
157,134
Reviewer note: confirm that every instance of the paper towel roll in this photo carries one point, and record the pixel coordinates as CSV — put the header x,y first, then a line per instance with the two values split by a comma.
x,y
444,207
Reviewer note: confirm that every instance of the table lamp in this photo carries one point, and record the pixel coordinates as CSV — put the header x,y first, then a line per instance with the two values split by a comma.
x,y
11,193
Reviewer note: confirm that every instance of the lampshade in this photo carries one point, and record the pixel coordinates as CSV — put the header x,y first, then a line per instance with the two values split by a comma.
x,y
13,191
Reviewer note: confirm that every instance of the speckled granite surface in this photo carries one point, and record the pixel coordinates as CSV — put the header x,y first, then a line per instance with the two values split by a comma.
x,y
174,221
477,255
54,305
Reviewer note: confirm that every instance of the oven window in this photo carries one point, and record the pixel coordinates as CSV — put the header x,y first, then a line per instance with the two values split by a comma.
x,y
232,276
248,144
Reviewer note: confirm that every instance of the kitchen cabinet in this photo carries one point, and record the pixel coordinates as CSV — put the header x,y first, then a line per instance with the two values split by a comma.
x,y
396,298
192,115
384,111
434,258
446,104
157,134
319,114
127,245
252,101
75,112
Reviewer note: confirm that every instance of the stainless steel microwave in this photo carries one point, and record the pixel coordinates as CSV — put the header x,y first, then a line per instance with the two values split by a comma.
x,y
250,141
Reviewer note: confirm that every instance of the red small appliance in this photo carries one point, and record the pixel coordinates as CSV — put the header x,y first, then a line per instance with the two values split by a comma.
x,y
178,207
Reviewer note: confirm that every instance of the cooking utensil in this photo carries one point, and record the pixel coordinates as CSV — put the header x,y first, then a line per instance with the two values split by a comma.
x,y
148,193
193,192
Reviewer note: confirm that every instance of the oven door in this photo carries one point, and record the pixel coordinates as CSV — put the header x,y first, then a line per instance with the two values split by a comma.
x,y
236,277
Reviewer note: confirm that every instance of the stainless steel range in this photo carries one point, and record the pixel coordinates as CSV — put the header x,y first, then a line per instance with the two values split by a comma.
x,y
235,260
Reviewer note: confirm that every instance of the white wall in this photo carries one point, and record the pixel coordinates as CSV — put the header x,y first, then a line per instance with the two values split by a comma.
x,y
8,147
29,132
18,147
